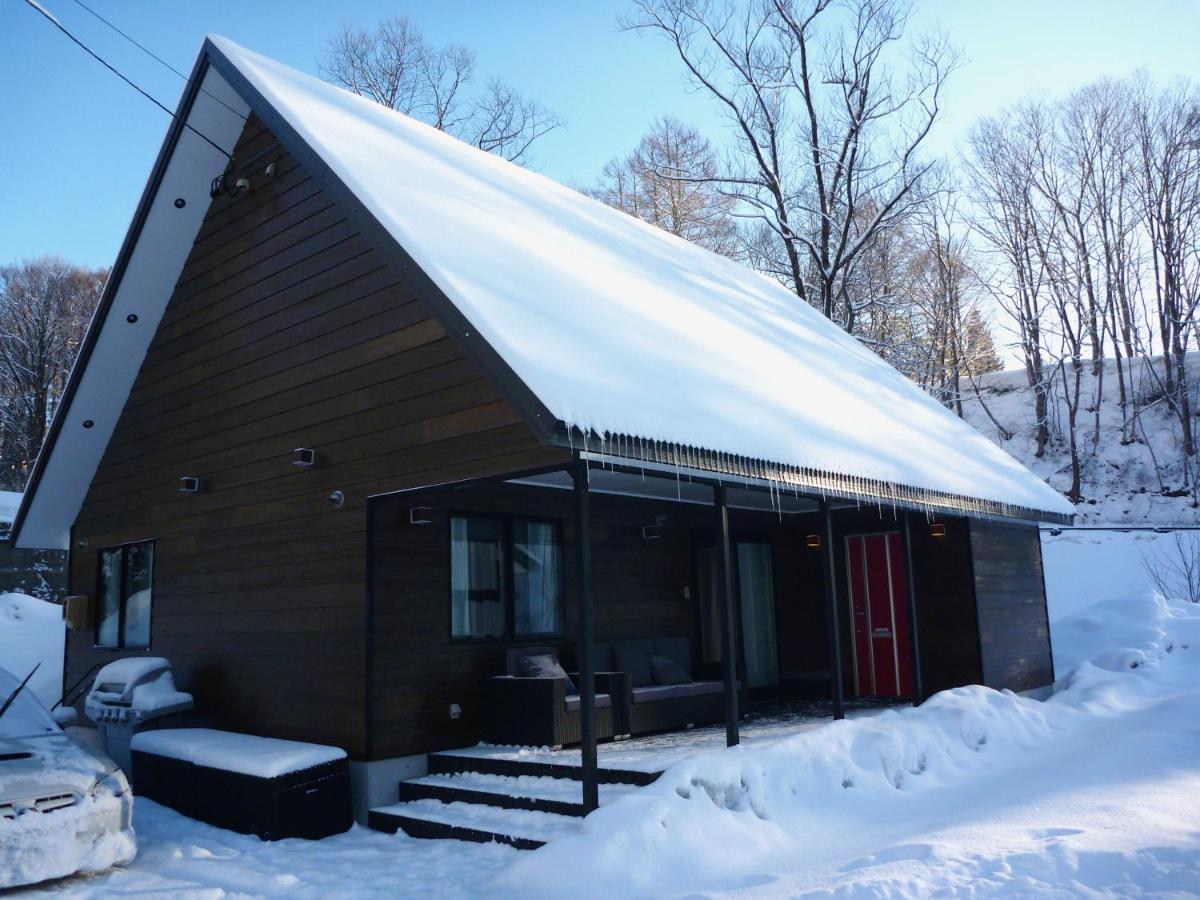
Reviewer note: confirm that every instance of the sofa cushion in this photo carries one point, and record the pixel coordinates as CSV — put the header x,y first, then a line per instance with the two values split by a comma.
x,y
634,657
603,701
664,670
659,692
544,666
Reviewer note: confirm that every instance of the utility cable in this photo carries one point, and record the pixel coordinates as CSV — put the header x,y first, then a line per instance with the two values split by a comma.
x,y
94,55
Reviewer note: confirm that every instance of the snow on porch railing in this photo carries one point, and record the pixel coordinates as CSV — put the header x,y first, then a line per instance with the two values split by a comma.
x,y
782,479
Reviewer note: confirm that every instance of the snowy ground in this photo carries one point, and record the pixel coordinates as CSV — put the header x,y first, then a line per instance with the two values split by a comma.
x,y
1084,567
32,631
976,793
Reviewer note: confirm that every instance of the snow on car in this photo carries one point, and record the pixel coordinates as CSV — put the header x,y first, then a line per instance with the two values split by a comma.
x,y
64,808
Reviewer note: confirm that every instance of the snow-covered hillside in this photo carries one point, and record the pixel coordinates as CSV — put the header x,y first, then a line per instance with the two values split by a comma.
x,y
1121,483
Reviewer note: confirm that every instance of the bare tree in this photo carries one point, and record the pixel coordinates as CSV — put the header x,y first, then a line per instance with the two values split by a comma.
x,y
823,128
1009,224
394,65
45,306
1168,138
669,181
1174,569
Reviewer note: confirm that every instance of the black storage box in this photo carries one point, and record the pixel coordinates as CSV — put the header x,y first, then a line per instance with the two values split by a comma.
x,y
303,792
312,803
165,780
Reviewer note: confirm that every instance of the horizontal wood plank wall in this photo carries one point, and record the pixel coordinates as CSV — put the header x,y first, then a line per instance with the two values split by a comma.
x,y
285,330
946,618
945,601
639,585
1014,628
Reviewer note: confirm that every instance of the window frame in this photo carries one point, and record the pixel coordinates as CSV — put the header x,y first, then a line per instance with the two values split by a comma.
x,y
120,645
506,522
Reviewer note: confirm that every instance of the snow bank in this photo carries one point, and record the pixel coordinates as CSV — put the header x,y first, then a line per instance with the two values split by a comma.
x,y
10,502
1084,568
820,800
32,631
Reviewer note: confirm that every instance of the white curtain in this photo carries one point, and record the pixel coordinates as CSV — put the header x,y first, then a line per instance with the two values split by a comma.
x,y
757,592
476,578
536,578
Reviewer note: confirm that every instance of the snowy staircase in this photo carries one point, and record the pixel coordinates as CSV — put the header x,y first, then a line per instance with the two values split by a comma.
x,y
473,797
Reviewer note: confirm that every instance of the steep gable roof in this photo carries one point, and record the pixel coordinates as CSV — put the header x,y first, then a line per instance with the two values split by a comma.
x,y
600,327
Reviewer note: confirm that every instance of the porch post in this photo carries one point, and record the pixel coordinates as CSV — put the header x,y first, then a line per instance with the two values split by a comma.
x,y
728,645
913,637
831,608
587,673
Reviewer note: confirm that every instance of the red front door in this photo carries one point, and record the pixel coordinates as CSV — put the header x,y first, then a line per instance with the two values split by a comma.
x,y
879,612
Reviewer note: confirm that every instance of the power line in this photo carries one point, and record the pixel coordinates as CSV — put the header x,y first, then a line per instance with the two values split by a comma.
x,y
154,56
94,55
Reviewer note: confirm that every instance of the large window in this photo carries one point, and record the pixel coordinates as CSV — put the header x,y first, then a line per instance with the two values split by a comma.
x,y
123,596
505,578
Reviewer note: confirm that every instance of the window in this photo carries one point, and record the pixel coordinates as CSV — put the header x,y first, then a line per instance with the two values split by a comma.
x,y
505,578
123,596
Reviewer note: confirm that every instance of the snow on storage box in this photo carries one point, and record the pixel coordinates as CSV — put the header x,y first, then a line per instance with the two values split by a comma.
x,y
255,785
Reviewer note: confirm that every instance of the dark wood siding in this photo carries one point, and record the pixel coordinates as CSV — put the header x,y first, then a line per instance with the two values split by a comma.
x,y
1014,631
285,330
642,588
944,601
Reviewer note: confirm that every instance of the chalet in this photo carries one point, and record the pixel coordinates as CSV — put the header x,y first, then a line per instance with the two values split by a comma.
x,y
365,410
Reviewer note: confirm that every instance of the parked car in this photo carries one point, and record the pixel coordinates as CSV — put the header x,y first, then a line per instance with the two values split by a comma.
x,y
64,807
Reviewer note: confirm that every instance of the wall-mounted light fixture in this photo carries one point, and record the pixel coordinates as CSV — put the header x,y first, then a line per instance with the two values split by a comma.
x,y
336,499
306,457
655,531
420,515
812,541
190,484
937,529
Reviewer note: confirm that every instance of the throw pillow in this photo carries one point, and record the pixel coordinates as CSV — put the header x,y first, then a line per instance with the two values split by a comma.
x,y
635,660
667,671
544,667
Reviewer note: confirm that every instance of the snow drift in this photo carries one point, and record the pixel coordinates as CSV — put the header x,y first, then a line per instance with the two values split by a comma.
x,y
32,631
725,820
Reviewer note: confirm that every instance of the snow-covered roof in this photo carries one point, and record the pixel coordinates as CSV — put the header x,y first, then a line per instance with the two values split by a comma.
x,y
592,319
622,329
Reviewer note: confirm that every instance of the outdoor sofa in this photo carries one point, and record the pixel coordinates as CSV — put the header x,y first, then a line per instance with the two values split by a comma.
x,y
642,685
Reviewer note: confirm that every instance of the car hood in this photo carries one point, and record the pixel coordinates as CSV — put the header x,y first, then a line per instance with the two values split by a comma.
x,y
48,763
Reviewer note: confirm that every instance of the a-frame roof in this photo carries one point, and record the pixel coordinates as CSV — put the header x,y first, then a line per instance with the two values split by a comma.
x,y
597,325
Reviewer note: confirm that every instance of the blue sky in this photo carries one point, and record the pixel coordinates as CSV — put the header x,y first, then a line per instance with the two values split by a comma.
x,y
78,144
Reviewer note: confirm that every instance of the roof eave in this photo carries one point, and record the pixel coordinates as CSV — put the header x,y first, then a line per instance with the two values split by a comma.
x,y
772,476
111,286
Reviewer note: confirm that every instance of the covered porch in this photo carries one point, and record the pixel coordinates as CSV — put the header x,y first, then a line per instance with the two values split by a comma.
x,y
779,596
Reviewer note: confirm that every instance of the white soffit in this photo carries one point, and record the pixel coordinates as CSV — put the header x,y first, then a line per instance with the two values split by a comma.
x,y
145,287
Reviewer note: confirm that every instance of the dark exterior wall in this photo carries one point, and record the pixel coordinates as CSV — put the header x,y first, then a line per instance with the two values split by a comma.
x,y
1014,629
641,588
285,330
946,616
945,604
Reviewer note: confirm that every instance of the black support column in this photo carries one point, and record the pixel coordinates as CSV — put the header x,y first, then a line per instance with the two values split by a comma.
x,y
586,657
728,644
913,637
829,570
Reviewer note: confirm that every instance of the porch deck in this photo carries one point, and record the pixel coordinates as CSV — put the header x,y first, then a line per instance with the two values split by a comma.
x,y
655,753
527,796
